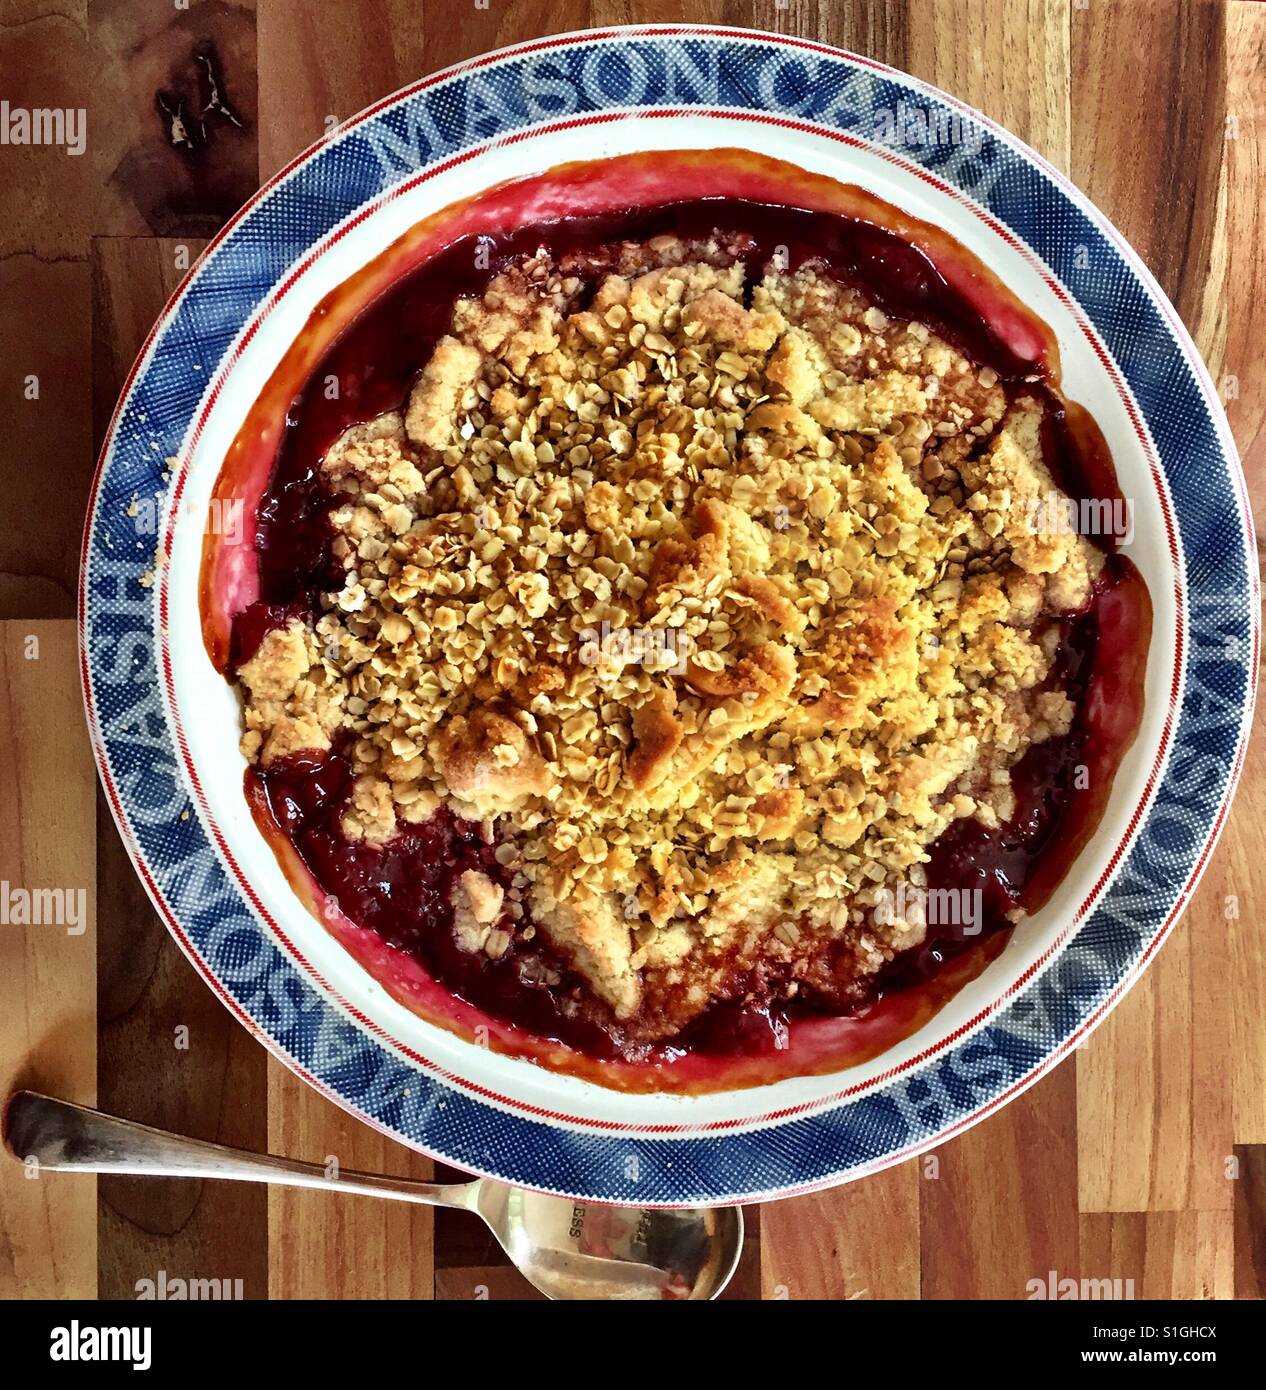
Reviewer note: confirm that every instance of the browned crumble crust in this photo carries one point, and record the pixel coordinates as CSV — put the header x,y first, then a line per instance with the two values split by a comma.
x,y
806,524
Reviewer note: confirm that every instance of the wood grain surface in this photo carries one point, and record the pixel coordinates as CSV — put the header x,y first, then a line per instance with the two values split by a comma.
x,y
1143,1158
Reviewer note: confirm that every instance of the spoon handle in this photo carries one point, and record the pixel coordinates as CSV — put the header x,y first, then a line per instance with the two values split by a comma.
x,y
73,1138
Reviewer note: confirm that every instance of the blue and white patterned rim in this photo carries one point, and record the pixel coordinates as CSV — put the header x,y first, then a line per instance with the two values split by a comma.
x,y
596,76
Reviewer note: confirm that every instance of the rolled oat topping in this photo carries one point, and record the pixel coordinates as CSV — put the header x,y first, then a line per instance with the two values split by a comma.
x,y
717,603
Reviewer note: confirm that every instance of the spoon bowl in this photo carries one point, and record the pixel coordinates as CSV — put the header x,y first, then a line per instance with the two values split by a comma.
x,y
571,1249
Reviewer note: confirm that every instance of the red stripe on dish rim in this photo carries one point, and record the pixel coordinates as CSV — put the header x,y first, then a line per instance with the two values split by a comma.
x,y
610,1126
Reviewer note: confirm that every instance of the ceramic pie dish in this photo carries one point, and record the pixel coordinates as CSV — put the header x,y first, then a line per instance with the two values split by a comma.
x,y
1049,308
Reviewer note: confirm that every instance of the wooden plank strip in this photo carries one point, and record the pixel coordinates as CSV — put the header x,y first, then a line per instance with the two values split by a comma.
x,y
856,1241
1170,1254
877,28
174,115
1241,376
322,1245
47,1041
1003,1209
47,431
44,283
1250,1221
1009,58
1235,899
500,1283
47,65
1147,97
174,1057
1153,1096
746,1286
306,87
210,1079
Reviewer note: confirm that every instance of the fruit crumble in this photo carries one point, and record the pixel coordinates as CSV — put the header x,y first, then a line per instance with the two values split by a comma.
x,y
704,595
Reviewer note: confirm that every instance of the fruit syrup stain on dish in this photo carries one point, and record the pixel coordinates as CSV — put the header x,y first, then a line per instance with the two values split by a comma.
x,y
401,892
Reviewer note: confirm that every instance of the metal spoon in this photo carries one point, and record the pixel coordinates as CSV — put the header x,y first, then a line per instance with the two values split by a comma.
x,y
568,1249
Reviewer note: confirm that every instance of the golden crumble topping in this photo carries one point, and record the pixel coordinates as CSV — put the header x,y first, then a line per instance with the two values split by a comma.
x,y
718,607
